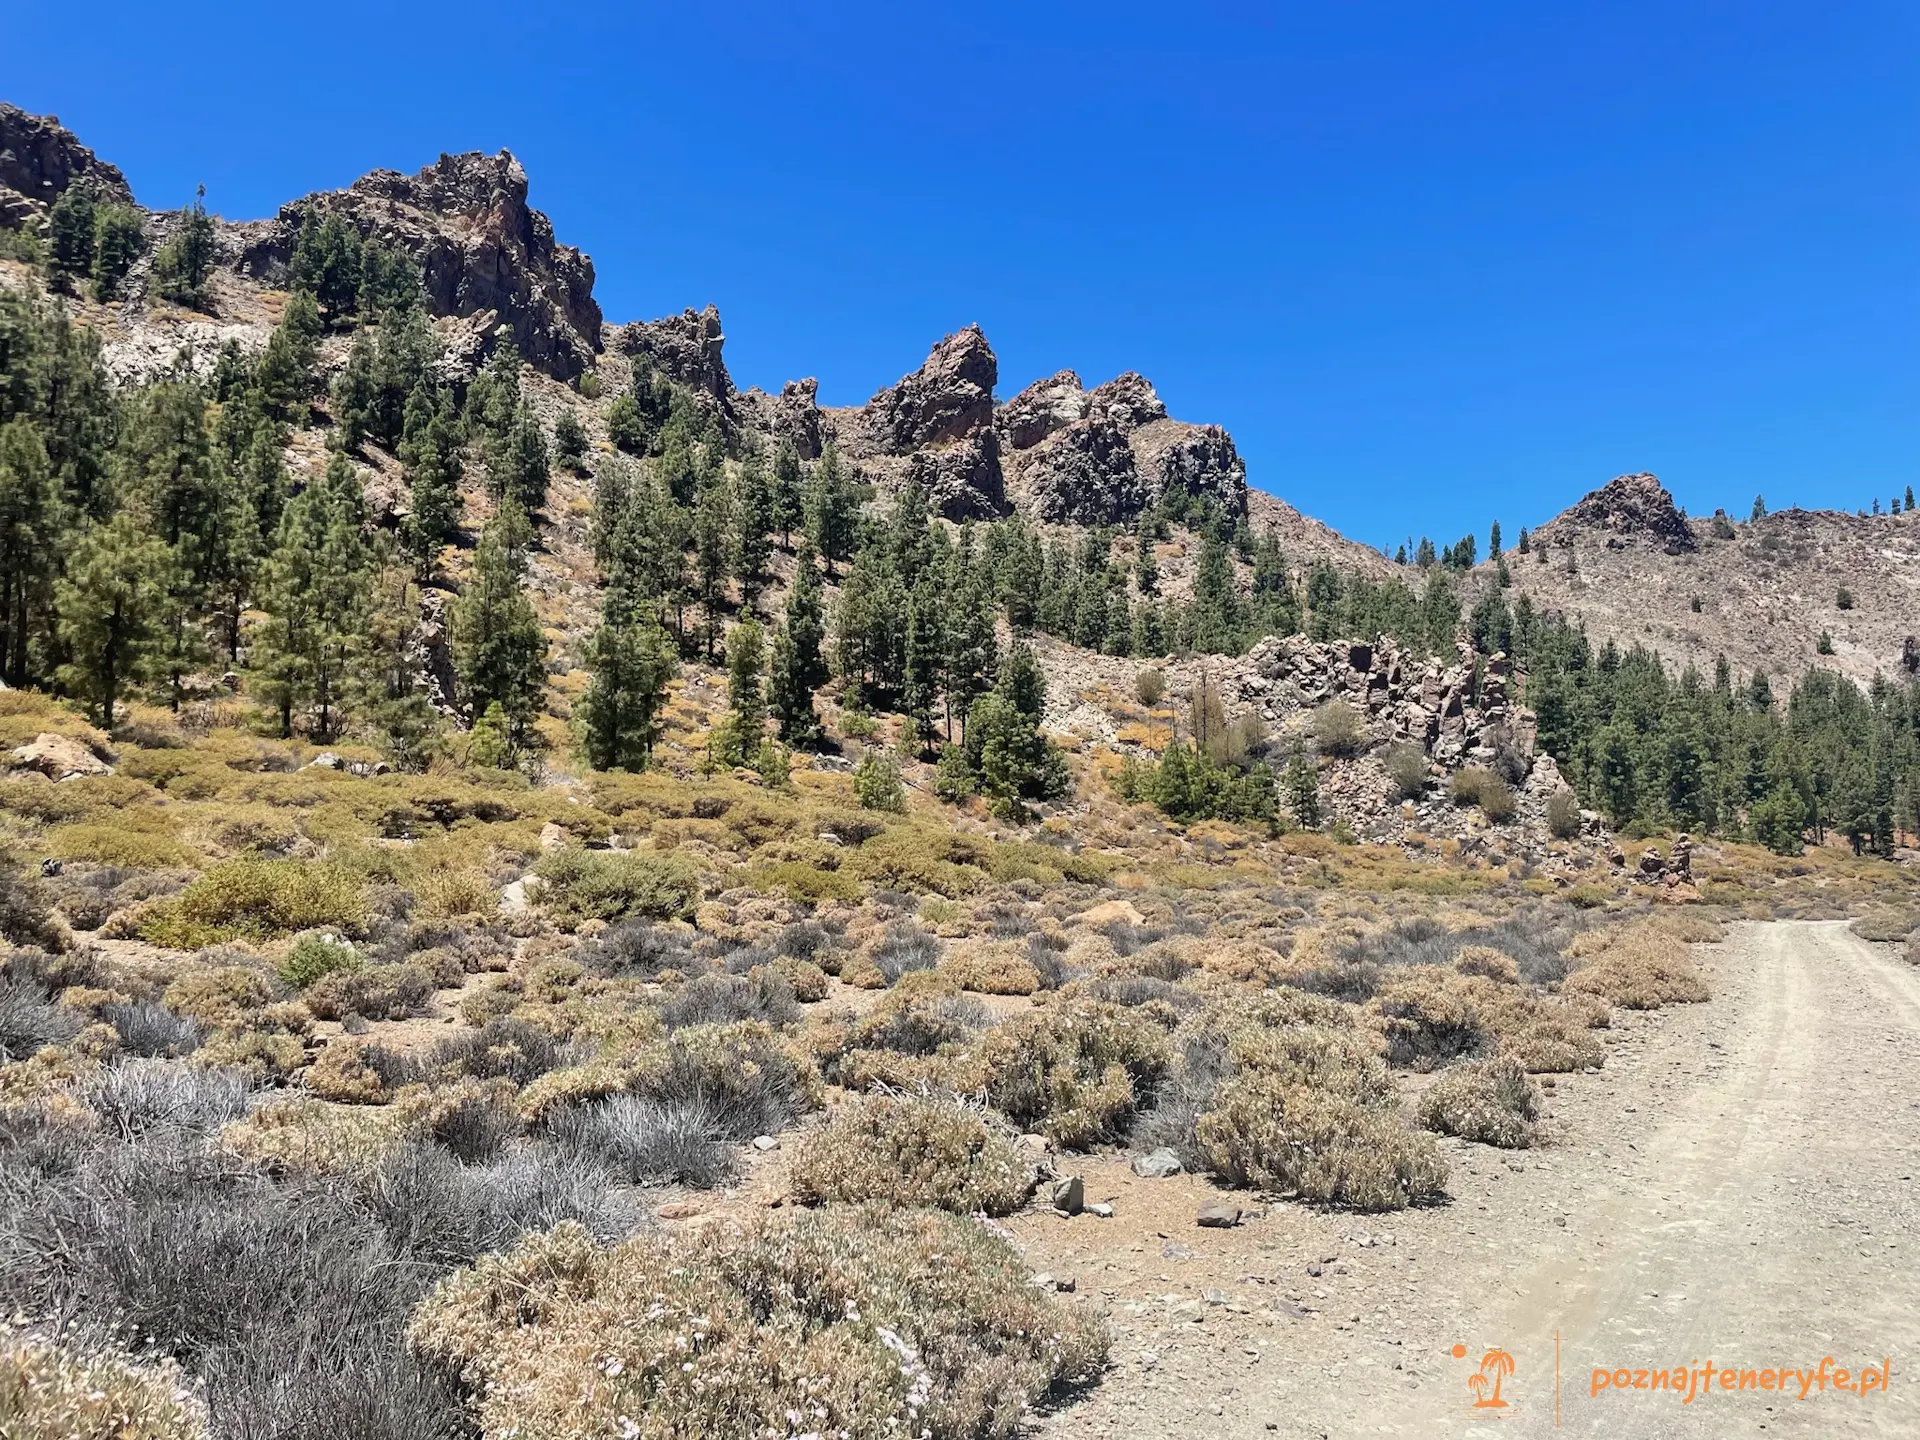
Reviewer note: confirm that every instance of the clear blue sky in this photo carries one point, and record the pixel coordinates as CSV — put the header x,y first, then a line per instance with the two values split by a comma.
x,y
1432,263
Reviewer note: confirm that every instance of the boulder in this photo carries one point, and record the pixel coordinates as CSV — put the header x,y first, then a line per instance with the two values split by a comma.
x,y
466,221
1070,1195
1219,1215
1157,1164
58,758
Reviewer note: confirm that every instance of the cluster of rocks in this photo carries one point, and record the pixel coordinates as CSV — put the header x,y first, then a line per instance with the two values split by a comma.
x,y
939,420
685,348
39,160
485,254
1101,456
1402,697
1630,507
1671,870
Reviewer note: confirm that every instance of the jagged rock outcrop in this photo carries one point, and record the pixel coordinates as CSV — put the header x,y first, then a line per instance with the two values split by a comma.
x,y
481,248
963,479
39,159
1101,456
950,397
685,348
793,415
1630,507
1042,408
1084,474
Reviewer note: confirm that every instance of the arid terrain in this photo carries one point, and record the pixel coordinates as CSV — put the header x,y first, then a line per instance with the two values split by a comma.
x,y
1737,1186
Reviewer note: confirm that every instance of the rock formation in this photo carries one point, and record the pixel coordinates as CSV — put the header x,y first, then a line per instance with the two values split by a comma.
x,y
793,415
39,159
941,418
1100,457
1634,506
685,348
482,250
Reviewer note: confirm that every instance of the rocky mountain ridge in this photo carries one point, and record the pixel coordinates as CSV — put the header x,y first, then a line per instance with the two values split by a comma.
x,y
1623,560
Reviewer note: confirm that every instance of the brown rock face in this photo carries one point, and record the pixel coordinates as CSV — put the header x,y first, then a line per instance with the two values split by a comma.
x,y
793,415
39,159
1085,475
1630,506
1101,456
963,479
1042,408
948,398
481,249
684,347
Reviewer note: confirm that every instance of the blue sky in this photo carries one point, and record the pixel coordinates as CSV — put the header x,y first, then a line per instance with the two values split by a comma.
x,y
1432,264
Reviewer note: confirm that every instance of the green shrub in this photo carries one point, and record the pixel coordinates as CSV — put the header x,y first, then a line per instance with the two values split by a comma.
x,y
918,1150
580,884
876,783
1339,729
315,956
1407,768
1491,1101
854,1322
257,900
1150,686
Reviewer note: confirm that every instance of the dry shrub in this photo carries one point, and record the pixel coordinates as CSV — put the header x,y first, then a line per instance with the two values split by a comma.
x,y
1690,927
852,1322
1339,729
1407,767
1488,963
302,1132
1641,968
1563,815
1887,926
993,968
223,997
579,884
472,1119
806,979
1269,1132
918,1150
346,1074
1491,1101
381,992
1077,1072
265,1055
444,894
48,1392
1429,1014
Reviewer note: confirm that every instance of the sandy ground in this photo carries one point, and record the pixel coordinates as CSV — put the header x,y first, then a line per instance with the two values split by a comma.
x,y
1736,1189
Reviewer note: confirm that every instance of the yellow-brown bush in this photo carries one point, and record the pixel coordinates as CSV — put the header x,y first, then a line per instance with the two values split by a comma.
x,y
808,980
303,1132
264,1054
856,1322
914,1149
219,998
1430,1014
48,1392
991,968
577,884
344,1074
1270,1133
1641,968
1491,1101
380,992
1076,1072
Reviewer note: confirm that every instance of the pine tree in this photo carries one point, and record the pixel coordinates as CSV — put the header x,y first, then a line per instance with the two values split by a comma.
x,y
924,662
753,517
30,526
356,395
285,372
785,492
713,555
70,227
1008,757
1493,542
739,738
326,264
119,239
799,668
517,466
569,440
108,602
314,593
1759,511
1301,782
631,661
831,510
387,689
499,649
625,426
181,267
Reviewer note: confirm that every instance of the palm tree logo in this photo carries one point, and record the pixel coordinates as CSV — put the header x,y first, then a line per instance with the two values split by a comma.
x,y
1495,1366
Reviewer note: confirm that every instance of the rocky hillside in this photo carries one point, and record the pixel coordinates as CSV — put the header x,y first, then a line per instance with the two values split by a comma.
x,y
1763,592
1623,560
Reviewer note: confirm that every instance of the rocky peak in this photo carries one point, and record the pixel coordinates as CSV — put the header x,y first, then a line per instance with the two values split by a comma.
x,y
1042,408
685,348
948,398
793,415
1634,505
1128,400
39,159
482,249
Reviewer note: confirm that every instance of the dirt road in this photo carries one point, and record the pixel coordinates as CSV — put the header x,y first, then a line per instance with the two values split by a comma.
x,y
1737,1190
